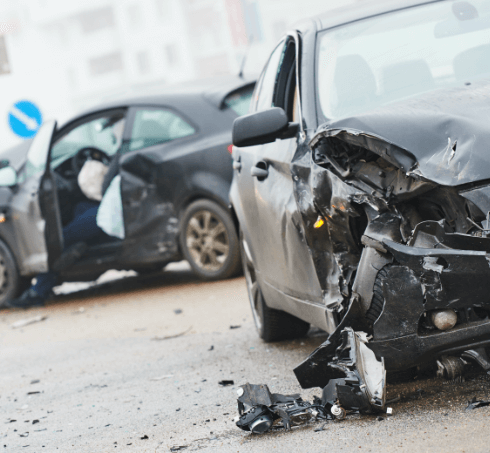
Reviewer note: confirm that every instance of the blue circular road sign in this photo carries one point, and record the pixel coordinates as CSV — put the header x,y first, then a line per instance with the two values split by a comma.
x,y
25,119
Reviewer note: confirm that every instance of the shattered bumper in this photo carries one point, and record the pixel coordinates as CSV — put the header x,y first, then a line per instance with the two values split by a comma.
x,y
425,280
438,271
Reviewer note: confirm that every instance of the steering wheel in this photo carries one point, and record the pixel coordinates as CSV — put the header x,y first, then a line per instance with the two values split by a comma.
x,y
87,153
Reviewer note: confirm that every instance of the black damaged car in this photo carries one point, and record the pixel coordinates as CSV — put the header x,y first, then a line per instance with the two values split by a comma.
x,y
173,150
362,190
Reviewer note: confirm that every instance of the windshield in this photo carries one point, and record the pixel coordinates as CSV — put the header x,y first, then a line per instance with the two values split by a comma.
x,y
383,59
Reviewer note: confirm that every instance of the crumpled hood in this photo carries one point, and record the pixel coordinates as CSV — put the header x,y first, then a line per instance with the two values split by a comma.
x,y
447,131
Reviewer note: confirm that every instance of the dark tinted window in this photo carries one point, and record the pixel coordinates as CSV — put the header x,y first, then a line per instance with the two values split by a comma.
x,y
239,101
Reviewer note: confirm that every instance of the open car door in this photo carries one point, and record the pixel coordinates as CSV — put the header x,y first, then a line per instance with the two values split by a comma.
x,y
35,209
150,220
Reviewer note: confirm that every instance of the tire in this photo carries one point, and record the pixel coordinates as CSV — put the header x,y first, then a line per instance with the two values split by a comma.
x,y
378,301
10,281
272,325
209,241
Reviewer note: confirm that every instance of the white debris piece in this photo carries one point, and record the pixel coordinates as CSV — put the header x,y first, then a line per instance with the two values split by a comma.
x,y
27,321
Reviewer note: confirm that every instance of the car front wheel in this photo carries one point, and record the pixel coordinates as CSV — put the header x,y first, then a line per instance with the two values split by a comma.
x,y
271,324
209,241
10,281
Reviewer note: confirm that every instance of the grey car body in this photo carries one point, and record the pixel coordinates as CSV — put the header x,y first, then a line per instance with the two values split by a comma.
x,y
362,196
161,176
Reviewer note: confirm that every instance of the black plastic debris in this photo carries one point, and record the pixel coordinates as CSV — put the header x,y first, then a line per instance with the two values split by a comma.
x,y
475,404
225,382
35,421
144,437
179,447
211,348
235,327
35,381
177,311
320,428
259,409
33,393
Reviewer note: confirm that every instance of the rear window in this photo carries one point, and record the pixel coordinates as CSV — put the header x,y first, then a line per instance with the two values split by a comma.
x,y
239,101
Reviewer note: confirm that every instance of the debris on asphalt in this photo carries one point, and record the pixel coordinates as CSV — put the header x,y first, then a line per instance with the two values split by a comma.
x,y
235,327
177,311
389,411
320,428
474,404
159,378
28,321
259,409
355,383
224,383
211,348
168,337
35,381
144,437
380,419
35,421
179,447
33,393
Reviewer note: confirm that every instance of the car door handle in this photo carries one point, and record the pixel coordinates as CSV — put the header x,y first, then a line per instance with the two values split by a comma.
x,y
237,165
260,170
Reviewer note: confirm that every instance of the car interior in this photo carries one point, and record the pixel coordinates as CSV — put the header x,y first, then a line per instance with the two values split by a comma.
x,y
98,138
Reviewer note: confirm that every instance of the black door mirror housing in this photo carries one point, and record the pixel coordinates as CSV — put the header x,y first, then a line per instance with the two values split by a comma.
x,y
263,127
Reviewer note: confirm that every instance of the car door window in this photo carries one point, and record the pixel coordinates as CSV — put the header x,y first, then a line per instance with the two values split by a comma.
x,y
153,126
104,132
265,88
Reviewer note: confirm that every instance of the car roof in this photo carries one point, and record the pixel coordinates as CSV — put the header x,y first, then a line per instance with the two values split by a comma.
x,y
214,90
360,10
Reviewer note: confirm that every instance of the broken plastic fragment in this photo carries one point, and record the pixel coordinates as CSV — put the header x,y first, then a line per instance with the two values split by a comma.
x,y
259,409
319,223
363,386
474,404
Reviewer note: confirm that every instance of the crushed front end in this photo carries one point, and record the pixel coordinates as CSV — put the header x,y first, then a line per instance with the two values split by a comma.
x,y
403,258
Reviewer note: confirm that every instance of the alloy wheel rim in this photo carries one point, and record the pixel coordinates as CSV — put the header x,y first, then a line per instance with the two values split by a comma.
x,y
207,241
252,285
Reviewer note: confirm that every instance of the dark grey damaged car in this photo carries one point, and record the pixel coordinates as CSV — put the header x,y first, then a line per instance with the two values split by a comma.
x,y
362,190
173,154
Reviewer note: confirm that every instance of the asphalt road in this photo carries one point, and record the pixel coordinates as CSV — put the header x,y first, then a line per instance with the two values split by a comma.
x,y
134,365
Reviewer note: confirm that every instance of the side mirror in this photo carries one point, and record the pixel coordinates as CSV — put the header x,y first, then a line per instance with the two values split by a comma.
x,y
263,127
8,177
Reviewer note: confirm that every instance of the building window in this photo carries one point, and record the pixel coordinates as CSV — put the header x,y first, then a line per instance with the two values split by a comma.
x,y
143,62
164,8
96,19
4,60
135,16
111,62
172,55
